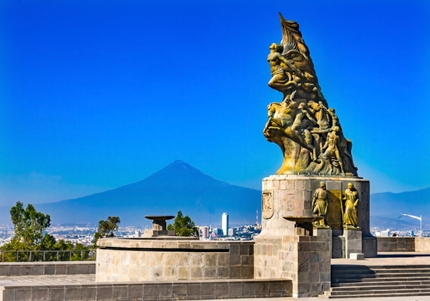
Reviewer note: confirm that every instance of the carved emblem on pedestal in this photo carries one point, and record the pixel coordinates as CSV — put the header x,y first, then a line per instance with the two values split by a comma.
x,y
267,205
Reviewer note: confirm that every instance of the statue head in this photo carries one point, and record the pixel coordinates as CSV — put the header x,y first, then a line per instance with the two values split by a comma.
x,y
273,46
322,185
276,48
350,186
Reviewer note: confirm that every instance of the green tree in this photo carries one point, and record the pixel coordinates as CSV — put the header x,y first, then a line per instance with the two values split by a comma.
x,y
106,228
29,226
183,225
30,237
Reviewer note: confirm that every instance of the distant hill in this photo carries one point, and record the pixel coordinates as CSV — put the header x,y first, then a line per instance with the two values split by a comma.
x,y
385,208
178,186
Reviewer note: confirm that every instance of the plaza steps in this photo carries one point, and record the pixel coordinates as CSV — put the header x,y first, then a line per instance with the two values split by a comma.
x,y
358,281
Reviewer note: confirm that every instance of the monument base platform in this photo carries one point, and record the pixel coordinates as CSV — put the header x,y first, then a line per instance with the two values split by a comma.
x,y
173,259
289,248
292,195
169,268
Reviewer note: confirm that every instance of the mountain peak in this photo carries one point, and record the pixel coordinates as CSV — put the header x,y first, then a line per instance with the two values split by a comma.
x,y
177,186
180,163
178,170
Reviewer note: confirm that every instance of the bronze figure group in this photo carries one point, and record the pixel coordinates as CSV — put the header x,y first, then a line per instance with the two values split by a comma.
x,y
349,203
305,128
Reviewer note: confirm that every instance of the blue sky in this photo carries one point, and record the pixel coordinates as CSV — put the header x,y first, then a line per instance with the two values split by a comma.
x,y
99,94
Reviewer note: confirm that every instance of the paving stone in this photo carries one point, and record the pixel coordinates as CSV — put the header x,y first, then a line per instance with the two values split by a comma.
x,y
208,290
60,269
179,290
194,290
23,294
56,294
165,290
89,292
150,290
40,294
120,292
4,270
9,295
235,290
221,290
104,292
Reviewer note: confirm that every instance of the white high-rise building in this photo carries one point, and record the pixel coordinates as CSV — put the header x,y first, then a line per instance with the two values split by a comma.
x,y
224,224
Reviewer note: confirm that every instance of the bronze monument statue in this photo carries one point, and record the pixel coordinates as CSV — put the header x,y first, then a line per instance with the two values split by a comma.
x,y
320,205
350,217
302,124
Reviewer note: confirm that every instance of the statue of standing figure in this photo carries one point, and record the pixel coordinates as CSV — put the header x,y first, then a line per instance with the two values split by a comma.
x,y
350,216
320,205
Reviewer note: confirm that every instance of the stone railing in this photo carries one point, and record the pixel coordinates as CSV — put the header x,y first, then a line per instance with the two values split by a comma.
x,y
46,255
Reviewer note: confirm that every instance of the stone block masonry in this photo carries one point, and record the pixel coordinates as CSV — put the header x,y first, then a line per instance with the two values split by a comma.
x,y
47,268
171,260
149,291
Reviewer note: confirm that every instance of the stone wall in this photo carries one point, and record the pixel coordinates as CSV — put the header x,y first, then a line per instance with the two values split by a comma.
x,y
47,268
422,244
403,244
149,291
170,260
306,260
396,244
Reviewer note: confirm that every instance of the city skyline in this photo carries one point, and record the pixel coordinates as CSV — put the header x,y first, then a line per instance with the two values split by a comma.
x,y
108,94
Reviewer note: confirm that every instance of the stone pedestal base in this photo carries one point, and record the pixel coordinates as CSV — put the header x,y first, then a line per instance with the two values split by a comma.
x,y
306,260
370,246
291,195
282,251
353,242
327,234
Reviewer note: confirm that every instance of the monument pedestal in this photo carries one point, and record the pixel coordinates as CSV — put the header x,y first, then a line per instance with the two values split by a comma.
x,y
283,252
291,195
306,260
353,242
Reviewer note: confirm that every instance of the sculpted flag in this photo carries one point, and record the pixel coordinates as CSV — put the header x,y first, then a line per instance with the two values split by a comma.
x,y
306,129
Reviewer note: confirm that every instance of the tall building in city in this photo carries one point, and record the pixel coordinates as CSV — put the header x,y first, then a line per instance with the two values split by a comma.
x,y
224,223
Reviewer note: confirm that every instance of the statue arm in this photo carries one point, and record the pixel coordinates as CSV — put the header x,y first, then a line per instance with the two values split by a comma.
x,y
356,200
325,145
315,197
309,117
